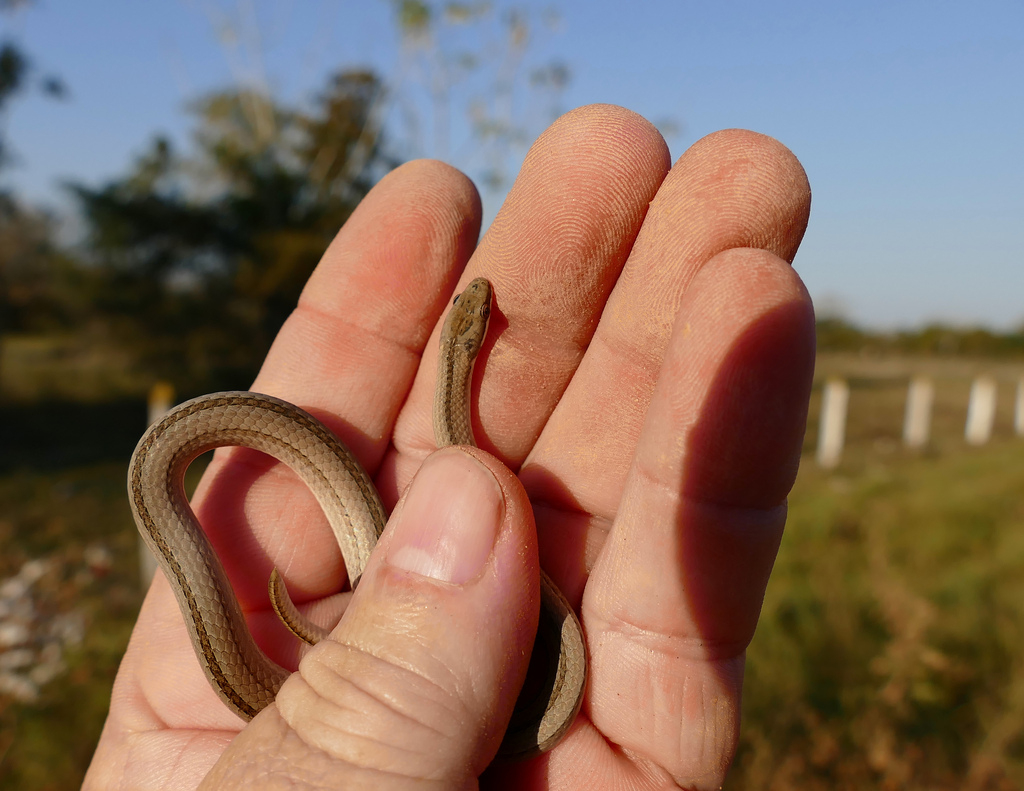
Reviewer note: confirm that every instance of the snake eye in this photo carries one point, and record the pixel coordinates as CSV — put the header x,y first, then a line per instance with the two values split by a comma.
x,y
456,300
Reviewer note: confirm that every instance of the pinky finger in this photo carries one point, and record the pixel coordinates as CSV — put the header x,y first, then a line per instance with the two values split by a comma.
x,y
674,598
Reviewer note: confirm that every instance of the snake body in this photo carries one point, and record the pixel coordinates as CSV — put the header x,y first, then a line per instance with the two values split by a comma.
x,y
241,674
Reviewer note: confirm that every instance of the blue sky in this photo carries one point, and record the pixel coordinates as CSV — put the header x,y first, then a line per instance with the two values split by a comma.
x,y
908,116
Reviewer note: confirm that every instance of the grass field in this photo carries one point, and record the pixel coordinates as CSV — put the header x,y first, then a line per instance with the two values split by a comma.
x,y
888,654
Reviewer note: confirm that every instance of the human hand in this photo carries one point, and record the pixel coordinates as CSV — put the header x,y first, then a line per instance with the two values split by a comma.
x,y
646,374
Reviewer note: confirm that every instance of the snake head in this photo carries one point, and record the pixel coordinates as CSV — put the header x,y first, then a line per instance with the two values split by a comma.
x,y
466,325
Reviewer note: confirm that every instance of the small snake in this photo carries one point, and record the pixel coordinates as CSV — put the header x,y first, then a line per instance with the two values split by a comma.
x,y
239,672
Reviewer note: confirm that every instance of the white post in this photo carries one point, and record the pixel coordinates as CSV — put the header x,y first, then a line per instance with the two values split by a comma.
x,y
161,399
1018,416
918,418
981,411
832,425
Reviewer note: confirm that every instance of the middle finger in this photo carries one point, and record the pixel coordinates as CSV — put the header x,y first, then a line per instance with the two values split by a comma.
x,y
552,254
731,189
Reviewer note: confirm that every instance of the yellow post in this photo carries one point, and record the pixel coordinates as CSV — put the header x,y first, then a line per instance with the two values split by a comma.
x,y
161,399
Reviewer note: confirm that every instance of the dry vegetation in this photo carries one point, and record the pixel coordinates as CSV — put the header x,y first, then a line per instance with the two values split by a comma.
x,y
888,652
888,655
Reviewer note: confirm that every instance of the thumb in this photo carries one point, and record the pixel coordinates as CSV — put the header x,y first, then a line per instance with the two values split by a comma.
x,y
415,686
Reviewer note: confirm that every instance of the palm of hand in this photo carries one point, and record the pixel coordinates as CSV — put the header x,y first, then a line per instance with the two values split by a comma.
x,y
646,375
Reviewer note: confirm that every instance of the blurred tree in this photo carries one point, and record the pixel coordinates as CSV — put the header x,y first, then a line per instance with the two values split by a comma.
x,y
934,340
197,261
472,56
27,253
39,283
838,335
15,70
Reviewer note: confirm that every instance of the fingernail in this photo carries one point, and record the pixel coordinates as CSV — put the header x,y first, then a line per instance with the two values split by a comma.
x,y
449,521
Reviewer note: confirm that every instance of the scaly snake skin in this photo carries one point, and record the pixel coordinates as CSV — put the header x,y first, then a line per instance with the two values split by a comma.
x,y
240,673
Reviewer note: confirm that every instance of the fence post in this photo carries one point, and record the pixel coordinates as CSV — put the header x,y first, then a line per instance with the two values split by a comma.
x,y
161,399
918,418
832,424
981,411
1018,415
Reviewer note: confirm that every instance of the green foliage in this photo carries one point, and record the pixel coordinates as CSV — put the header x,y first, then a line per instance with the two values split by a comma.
x,y
970,342
838,335
13,65
28,259
935,340
15,68
196,261
413,16
39,284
